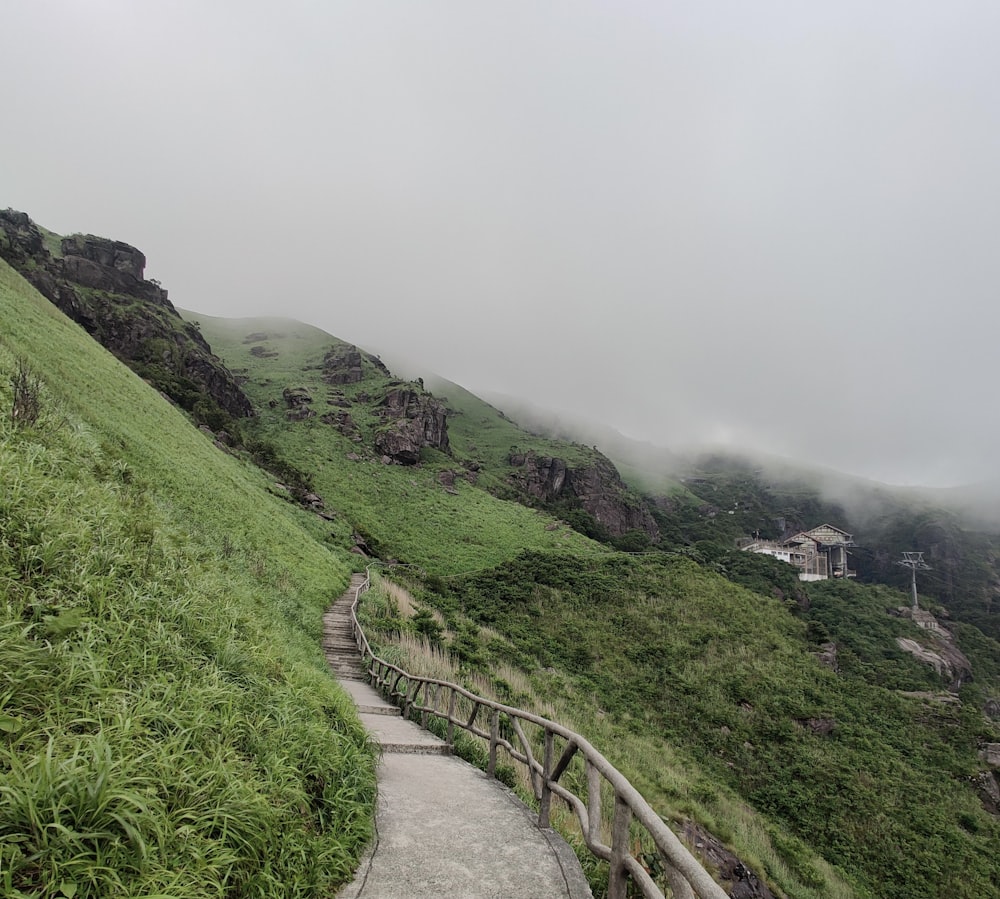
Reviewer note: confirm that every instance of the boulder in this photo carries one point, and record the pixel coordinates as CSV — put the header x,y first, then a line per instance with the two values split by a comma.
x,y
296,397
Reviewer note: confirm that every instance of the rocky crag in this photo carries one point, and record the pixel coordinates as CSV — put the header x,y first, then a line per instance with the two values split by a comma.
x,y
100,284
597,488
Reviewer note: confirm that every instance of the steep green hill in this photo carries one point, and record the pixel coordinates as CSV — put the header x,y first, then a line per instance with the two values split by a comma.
x,y
167,724
332,410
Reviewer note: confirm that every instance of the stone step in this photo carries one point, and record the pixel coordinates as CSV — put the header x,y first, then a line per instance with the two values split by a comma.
x,y
392,711
415,749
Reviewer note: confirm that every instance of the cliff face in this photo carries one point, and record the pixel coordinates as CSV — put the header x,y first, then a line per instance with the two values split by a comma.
x,y
100,284
412,420
598,488
938,649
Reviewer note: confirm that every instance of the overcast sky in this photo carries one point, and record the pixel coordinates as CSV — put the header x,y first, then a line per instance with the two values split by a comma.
x,y
772,224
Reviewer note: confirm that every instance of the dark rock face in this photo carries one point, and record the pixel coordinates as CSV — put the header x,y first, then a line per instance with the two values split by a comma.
x,y
414,420
827,655
737,879
822,727
99,284
106,253
20,239
296,397
987,787
597,487
343,365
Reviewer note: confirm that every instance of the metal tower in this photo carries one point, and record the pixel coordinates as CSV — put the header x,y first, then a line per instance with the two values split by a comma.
x,y
913,561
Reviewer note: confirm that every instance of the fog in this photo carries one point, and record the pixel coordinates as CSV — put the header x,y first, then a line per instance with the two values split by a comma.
x,y
769,226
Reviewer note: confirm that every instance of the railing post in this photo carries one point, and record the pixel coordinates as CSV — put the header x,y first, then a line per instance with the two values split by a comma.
x,y
428,701
593,804
491,768
545,803
451,718
410,697
618,876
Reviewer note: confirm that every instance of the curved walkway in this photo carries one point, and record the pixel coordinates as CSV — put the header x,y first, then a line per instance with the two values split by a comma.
x,y
443,828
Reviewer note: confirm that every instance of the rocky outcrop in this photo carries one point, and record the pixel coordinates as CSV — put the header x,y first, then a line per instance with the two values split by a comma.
x,y
296,396
413,420
344,424
343,364
987,788
598,488
827,655
100,284
941,653
739,881
106,254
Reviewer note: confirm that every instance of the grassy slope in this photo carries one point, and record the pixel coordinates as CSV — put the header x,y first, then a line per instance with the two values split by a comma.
x,y
405,509
885,797
167,725
713,719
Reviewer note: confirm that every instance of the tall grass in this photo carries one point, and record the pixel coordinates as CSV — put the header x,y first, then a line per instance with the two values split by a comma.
x,y
167,725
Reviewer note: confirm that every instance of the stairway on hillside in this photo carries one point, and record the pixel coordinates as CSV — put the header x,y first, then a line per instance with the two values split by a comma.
x,y
443,828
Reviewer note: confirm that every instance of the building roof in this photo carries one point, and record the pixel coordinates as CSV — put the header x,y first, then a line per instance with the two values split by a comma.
x,y
823,531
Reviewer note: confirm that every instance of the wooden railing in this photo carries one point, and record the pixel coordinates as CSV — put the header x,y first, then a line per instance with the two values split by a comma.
x,y
503,727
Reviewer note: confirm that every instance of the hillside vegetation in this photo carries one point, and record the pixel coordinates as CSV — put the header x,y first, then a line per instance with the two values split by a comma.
x,y
167,725
171,716
448,514
694,667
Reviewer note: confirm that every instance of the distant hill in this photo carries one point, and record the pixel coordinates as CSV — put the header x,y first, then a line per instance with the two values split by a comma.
x,y
717,496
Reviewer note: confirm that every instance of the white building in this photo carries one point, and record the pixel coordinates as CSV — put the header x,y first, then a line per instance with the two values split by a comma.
x,y
818,554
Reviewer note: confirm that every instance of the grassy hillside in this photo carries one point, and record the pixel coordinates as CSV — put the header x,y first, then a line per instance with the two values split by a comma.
x,y
711,699
167,725
404,512
829,783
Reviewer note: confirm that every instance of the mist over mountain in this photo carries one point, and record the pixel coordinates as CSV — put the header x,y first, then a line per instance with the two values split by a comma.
x,y
765,228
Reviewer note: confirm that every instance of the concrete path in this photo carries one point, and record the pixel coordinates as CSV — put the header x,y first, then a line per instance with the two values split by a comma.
x,y
443,828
